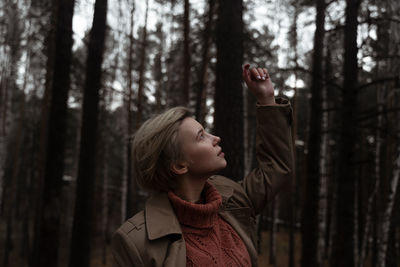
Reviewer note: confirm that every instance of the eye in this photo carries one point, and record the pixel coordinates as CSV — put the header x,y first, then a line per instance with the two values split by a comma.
x,y
201,136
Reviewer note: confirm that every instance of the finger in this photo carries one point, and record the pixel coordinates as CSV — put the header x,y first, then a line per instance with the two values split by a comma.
x,y
266,73
245,73
254,74
262,74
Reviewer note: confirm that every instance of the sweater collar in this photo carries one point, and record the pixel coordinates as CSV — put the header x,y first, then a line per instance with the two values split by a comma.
x,y
160,216
198,215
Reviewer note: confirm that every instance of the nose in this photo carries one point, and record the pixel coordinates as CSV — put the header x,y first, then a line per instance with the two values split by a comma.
x,y
216,140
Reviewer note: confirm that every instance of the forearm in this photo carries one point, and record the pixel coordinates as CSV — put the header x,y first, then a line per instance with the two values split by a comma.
x,y
274,152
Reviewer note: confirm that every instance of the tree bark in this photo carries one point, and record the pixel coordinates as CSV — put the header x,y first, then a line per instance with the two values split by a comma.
x,y
312,226
158,67
142,70
385,226
83,216
228,94
203,77
128,179
47,237
186,52
343,254
372,197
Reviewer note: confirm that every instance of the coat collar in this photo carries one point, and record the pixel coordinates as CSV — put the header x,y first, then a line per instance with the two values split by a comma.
x,y
160,216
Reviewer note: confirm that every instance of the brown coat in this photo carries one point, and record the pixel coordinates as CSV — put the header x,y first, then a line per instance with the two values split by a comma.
x,y
153,237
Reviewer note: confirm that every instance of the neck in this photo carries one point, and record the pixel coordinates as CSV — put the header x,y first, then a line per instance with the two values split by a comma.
x,y
190,188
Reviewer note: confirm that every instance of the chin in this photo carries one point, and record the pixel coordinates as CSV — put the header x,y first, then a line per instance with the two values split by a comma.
x,y
226,164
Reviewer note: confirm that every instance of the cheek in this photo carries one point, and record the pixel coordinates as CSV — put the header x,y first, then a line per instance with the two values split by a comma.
x,y
200,155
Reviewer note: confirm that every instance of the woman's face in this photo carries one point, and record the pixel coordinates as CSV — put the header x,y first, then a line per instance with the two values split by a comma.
x,y
201,150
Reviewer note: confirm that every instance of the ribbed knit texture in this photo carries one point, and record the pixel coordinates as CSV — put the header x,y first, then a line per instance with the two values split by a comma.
x,y
210,241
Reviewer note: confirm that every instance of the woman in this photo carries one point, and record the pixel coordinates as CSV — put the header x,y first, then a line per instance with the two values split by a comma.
x,y
197,218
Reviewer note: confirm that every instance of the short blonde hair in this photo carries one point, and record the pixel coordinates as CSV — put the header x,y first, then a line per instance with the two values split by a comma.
x,y
155,147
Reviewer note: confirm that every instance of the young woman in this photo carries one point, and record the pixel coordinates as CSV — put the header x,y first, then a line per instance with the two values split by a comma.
x,y
197,218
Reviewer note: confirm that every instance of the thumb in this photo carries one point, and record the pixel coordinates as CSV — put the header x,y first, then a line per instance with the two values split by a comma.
x,y
246,76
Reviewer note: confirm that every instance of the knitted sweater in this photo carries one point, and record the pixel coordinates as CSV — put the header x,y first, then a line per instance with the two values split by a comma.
x,y
210,241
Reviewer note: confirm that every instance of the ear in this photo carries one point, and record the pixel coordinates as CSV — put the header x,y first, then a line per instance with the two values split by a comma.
x,y
179,167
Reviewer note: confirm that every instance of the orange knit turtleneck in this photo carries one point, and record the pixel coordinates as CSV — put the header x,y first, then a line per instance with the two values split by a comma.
x,y
210,241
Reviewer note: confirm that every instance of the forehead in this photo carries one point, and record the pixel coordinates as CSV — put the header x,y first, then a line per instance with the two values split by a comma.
x,y
189,126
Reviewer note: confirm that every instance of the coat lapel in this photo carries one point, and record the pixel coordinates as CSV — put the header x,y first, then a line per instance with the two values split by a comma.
x,y
160,217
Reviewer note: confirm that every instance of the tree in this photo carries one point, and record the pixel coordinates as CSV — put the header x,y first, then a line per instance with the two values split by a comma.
x,y
343,251
311,251
81,231
130,199
186,51
47,238
203,75
142,70
228,91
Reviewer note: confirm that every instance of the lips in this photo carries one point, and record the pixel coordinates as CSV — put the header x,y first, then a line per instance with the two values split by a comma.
x,y
220,153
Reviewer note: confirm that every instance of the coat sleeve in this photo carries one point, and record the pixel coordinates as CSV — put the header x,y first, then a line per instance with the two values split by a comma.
x,y
124,250
274,151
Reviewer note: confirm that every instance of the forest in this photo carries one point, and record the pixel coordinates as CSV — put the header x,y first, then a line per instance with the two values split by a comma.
x,y
77,79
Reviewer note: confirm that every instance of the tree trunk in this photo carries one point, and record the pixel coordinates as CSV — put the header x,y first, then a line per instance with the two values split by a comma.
x,y
343,254
158,67
372,197
128,179
228,95
83,218
313,216
186,52
385,226
203,77
142,70
47,237
11,53
323,187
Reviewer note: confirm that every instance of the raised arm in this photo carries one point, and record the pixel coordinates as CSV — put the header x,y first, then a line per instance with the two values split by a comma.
x,y
274,147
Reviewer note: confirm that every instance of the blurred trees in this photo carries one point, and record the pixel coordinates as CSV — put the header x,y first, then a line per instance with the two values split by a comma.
x,y
344,93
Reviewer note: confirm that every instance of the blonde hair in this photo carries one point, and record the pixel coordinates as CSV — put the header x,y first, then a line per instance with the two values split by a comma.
x,y
155,147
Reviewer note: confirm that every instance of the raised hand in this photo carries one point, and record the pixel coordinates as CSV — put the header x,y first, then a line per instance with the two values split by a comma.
x,y
259,83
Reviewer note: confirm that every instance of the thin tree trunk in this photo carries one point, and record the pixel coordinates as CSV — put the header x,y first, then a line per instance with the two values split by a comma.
x,y
37,188
344,242
313,221
323,187
203,77
384,230
12,54
47,237
142,70
387,215
186,52
372,197
127,187
158,67
83,217
105,206
326,153
294,191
